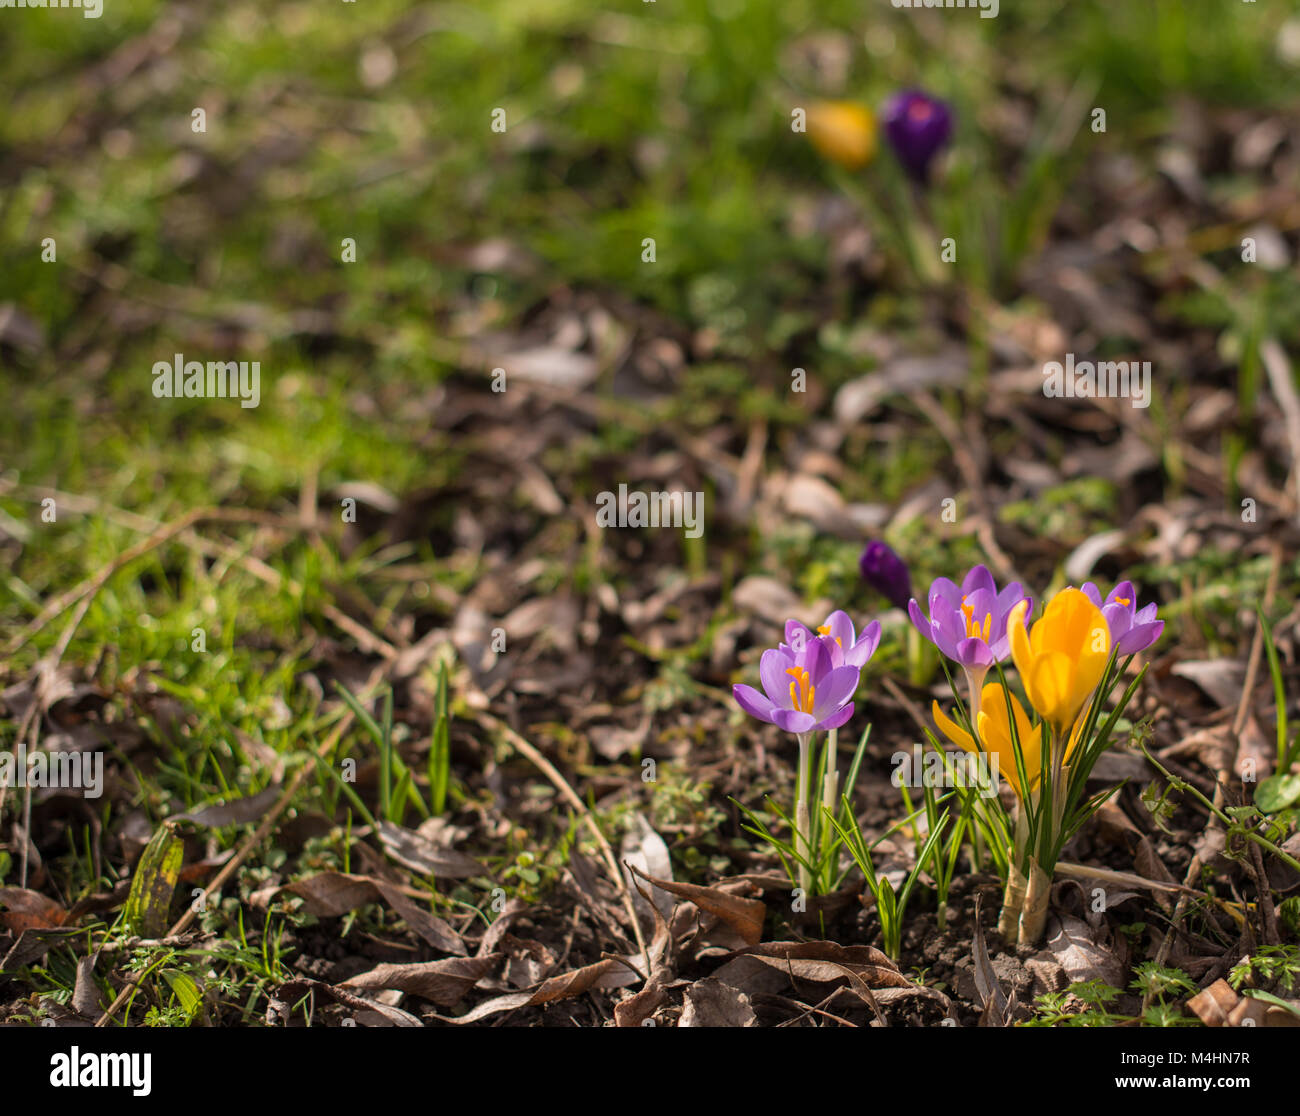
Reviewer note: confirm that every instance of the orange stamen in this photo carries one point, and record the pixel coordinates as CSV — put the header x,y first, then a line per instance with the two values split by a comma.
x,y
825,629
802,692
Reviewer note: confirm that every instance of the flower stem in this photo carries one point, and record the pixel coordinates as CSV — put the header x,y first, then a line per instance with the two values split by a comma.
x,y
830,801
1013,898
801,818
975,686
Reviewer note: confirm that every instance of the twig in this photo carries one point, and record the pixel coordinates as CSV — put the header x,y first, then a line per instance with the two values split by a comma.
x,y
913,710
561,784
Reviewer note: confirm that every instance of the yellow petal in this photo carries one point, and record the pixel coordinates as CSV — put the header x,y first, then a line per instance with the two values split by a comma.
x,y
1021,652
995,735
952,730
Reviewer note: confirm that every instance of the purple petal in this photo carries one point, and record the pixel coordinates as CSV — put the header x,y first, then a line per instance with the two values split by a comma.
x,y
1011,596
1089,590
1000,648
946,628
946,590
978,578
974,652
835,689
868,641
1139,638
917,126
835,719
753,703
817,659
886,572
1118,619
792,721
772,673
797,636
1124,590
840,627
982,604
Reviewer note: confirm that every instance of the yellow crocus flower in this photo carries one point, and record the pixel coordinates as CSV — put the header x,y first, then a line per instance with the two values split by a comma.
x,y
844,132
995,735
1062,659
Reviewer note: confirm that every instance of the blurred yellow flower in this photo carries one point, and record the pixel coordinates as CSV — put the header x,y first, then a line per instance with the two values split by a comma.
x,y
844,132
1062,659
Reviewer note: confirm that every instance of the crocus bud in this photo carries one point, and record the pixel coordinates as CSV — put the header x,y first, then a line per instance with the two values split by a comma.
x,y
886,572
917,126
844,132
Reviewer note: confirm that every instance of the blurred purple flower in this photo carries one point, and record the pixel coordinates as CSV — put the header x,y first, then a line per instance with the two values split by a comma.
x,y
803,692
1132,629
886,572
917,126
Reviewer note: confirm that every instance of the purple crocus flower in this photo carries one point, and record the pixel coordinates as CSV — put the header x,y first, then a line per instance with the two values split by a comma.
x,y
847,647
968,623
886,572
917,126
803,692
1132,629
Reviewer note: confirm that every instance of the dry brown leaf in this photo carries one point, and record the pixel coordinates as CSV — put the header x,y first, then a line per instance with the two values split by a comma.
x,y
528,962
31,945
772,966
1081,957
711,1003
29,910
1151,867
1221,679
419,854
440,982
772,600
331,894
369,1013
644,849
85,995
239,811
745,916
633,1012
562,987
1256,753
996,1007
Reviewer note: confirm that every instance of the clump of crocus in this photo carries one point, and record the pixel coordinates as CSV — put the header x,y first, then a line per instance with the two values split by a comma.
x,y
886,573
844,132
1068,663
917,126
808,687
